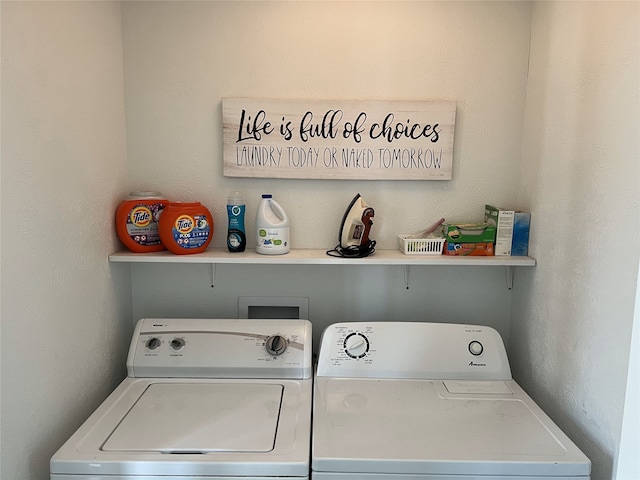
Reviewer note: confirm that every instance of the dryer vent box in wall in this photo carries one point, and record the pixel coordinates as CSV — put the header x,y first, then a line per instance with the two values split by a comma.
x,y
273,307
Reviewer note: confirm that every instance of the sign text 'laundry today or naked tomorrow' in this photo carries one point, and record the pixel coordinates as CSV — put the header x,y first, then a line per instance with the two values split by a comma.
x,y
327,139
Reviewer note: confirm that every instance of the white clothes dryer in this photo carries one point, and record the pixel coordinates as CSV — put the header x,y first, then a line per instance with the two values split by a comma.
x,y
427,401
203,399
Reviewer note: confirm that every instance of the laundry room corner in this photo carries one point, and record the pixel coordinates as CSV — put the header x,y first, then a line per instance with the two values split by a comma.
x,y
572,318
66,312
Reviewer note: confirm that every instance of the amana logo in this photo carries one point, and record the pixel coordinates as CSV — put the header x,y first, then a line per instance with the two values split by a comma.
x,y
473,364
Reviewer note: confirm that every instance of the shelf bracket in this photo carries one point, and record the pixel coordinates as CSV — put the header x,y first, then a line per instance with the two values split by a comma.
x,y
509,273
212,273
407,273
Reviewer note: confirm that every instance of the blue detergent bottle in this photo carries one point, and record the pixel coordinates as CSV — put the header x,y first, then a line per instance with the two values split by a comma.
x,y
236,237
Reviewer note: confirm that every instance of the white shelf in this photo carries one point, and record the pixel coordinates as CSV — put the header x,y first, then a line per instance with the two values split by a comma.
x,y
216,256
317,257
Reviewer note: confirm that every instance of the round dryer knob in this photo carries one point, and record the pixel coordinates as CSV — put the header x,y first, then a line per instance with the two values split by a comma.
x,y
476,348
276,345
356,345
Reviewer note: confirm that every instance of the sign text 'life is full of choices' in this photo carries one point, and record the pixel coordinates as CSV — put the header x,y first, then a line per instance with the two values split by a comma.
x,y
325,139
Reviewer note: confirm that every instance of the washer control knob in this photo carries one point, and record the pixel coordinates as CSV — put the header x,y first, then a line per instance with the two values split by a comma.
x,y
177,343
276,345
356,345
153,343
476,348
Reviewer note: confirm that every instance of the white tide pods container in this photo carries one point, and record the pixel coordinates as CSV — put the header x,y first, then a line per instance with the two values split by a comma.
x,y
272,228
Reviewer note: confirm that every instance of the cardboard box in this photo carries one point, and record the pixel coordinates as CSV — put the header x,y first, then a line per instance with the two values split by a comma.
x,y
469,232
469,249
512,230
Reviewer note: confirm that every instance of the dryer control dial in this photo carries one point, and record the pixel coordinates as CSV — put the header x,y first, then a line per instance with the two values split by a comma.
x,y
476,348
356,345
276,345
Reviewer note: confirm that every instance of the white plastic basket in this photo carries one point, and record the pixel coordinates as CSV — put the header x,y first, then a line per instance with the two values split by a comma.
x,y
420,246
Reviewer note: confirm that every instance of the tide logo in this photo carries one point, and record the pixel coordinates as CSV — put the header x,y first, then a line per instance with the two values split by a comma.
x,y
140,216
184,224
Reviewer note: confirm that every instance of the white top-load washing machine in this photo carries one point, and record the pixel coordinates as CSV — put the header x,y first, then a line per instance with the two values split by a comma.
x,y
203,399
418,401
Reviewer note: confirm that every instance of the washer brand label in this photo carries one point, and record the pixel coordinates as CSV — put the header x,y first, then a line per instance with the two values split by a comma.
x,y
473,364
184,224
140,216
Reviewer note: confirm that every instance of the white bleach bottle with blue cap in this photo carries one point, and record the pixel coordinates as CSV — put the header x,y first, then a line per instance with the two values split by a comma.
x,y
272,227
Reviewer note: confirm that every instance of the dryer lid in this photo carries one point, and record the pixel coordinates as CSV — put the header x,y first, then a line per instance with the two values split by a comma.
x,y
200,418
437,428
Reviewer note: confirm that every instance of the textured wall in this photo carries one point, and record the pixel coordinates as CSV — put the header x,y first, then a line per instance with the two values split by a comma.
x,y
65,316
571,323
181,58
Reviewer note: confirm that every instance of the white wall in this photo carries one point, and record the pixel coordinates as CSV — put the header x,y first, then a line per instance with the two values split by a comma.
x,y
66,318
66,314
571,321
182,58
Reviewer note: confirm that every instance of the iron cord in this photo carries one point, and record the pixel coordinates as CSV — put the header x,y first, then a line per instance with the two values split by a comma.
x,y
353,251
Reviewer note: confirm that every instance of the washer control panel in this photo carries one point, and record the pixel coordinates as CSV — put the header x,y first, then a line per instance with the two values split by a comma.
x,y
412,350
220,348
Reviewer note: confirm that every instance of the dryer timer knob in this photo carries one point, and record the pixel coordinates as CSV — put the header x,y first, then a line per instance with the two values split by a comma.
x,y
276,345
356,345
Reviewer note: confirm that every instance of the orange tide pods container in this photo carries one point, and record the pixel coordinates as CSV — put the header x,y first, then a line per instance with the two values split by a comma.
x,y
137,221
186,227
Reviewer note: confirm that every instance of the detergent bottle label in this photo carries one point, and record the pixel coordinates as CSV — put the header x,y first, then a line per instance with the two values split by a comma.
x,y
142,223
191,231
272,228
273,238
236,238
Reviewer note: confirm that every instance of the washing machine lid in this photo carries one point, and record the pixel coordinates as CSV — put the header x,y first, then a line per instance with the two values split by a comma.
x,y
437,427
169,418
205,428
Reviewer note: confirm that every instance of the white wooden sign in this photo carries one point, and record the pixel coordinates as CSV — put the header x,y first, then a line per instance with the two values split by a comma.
x,y
332,139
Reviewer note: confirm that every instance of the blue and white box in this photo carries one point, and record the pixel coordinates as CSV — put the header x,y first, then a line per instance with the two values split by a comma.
x,y
512,230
